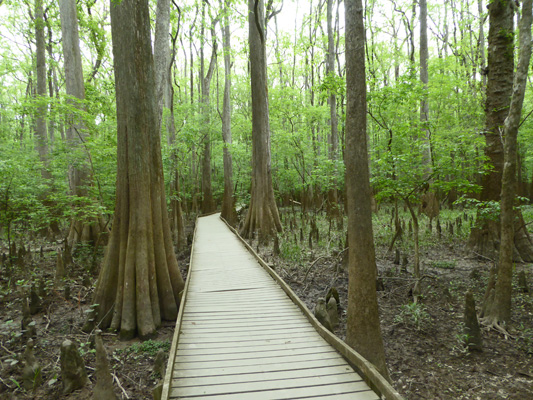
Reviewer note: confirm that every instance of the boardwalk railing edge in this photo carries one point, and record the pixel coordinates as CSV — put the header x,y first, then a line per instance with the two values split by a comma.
x,y
167,381
366,369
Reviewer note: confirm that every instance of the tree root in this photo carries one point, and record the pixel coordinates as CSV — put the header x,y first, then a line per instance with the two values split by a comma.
x,y
492,323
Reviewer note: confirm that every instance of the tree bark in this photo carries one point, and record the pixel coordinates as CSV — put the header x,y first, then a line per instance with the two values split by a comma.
x,y
164,96
481,41
40,121
262,216
500,311
485,237
333,138
82,229
208,202
41,131
363,328
161,53
424,79
139,282
228,202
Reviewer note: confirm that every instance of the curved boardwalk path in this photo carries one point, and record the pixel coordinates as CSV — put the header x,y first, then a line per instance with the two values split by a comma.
x,y
240,336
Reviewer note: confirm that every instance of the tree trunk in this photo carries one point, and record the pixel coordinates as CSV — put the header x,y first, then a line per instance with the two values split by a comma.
x,y
500,311
481,41
161,53
82,229
40,121
228,202
424,79
363,328
333,138
485,237
208,202
164,97
41,132
263,213
139,282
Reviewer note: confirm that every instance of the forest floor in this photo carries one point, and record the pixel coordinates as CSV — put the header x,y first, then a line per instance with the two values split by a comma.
x,y
424,343
62,317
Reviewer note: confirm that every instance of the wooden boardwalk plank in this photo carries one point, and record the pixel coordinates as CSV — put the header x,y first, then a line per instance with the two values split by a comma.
x,y
240,336
264,376
208,373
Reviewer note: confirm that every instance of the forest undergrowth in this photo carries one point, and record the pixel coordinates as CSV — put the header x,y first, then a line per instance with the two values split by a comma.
x,y
61,313
425,342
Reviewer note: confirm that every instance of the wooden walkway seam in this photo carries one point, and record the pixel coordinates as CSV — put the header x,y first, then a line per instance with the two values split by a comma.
x,y
242,333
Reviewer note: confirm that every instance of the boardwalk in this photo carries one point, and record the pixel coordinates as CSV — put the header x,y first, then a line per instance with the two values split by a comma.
x,y
240,336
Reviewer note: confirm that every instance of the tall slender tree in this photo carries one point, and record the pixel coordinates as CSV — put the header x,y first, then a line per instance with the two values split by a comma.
x,y
208,202
363,329
333,137
80,179
41,131
228,202
139,281
263,215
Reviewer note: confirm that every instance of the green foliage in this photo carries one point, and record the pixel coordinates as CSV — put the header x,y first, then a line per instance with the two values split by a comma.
x,y
332,84
526,339
86,348
290,251
485,210
444,264
149,347
22,192
414,315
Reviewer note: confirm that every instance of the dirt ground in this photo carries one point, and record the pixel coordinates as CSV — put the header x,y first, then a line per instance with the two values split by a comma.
x,y
424,344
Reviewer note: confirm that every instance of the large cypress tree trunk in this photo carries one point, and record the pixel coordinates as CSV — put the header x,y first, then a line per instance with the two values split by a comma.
x,y
262,216
139,281
500,309
363,329
80,179
485,237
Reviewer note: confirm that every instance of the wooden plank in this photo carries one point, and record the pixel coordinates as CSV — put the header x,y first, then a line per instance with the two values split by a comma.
x,y
233,298
322,362
257,319
240,349
239,320
281,383
265,376
286,392
257,345
205,364
239,310
252,354
245,329
240,343
223,337
191,338
278,305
